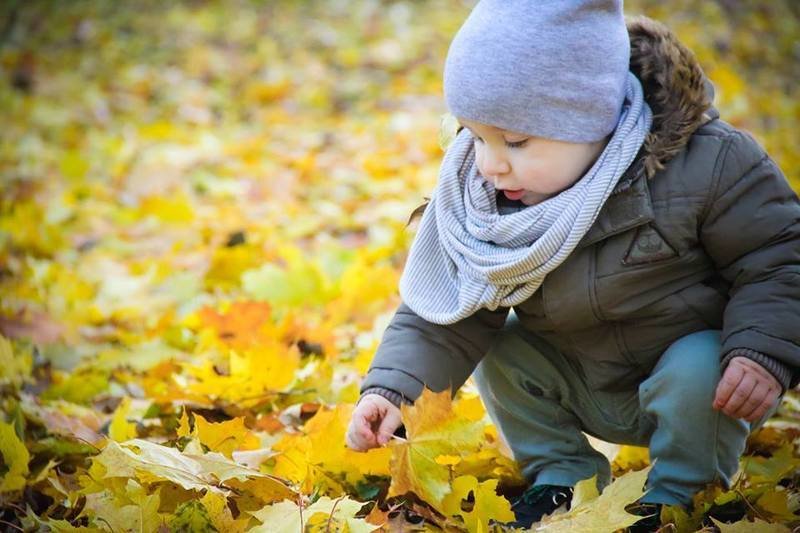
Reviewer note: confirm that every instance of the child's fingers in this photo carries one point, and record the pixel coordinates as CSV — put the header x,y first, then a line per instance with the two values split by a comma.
x,y
362,439
756,397
730,380
763,397
391,421
353,441
360,435
739,396
356,438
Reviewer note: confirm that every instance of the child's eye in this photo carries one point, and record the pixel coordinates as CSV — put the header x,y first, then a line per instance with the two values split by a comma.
x,y
517,144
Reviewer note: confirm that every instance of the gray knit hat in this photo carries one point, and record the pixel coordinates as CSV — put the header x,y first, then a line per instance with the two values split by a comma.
x,y
551,68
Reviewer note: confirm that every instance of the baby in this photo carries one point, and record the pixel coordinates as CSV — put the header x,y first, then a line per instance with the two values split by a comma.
x,y
602,253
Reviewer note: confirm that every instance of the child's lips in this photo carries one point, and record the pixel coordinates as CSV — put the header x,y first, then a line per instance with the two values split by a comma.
x,y
514,194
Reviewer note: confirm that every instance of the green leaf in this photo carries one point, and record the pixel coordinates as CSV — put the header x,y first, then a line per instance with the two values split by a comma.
x,y
31,522
61,447
14,367
293,286
191,516
770,470
80,387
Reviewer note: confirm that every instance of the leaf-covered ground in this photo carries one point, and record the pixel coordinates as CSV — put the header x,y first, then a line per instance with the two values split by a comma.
x,y
202,225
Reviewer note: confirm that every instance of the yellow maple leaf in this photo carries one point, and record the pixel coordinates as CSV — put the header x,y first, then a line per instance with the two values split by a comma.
x,y
325,514
15,458
120,429
253,374
130,508
469,407
220,515
184,428
585,491
489,462
225,437
745,526
321,448
776,503
295,463
602,513
149,463
326,431
630,458
432,430
487,505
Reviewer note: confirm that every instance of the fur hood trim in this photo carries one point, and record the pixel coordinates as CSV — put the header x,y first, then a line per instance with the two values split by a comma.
x,y
675,88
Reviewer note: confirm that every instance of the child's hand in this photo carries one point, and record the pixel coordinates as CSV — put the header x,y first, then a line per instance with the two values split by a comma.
x,y
374,421
747,390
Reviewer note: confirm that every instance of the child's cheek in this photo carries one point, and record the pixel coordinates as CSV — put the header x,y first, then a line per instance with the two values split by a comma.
x,y
479,164
479,158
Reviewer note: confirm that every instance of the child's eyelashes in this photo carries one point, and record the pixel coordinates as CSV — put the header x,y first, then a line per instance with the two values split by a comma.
x,y
516,144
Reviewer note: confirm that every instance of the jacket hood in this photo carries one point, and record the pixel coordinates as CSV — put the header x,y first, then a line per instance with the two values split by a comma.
x,y
675,88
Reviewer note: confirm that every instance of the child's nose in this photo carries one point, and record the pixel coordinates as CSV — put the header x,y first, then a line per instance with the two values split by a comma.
x,y
494,164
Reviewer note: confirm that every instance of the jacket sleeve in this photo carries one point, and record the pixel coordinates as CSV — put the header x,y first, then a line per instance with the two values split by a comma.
x,y
780,371
751,230
414,352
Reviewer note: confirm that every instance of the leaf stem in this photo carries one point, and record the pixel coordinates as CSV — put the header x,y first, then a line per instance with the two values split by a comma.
x,y
300,508
746,502
333,509
12,525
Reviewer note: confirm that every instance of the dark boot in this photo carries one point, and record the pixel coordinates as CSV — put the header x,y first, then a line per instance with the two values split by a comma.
x,y
538,501
651,521
726,513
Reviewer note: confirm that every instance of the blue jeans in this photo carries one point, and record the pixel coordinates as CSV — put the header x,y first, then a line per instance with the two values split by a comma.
x,y
540,402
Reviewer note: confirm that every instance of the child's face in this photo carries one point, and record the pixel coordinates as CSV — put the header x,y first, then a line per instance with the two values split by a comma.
x,y
530,169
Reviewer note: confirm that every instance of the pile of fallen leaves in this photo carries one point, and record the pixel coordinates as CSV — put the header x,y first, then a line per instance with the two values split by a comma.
x,y
202,225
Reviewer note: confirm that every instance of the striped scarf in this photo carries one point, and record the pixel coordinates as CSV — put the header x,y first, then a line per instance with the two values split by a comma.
x,y
466,256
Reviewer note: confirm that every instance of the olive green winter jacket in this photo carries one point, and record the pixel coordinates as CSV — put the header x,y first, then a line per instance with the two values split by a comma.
x,y
701,232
